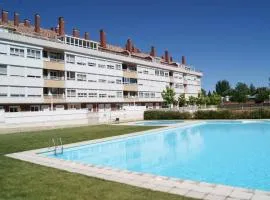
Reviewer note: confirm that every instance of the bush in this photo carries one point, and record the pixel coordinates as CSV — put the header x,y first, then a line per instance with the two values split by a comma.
x,y
166,115
222,114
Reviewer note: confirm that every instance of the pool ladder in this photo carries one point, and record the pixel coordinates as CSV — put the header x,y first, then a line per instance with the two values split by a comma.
x,y
57,145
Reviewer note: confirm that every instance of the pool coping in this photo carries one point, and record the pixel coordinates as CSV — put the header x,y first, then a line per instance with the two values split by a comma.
x,y
183,187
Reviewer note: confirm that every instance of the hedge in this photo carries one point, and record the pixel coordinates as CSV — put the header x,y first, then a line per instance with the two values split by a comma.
x,y
155,114
222,114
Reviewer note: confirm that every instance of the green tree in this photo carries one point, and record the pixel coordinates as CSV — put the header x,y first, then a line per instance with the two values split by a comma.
x,y
240,93
182,100
223,88
168,96
192,100
203,92
252,89
209,93
262,94
215,99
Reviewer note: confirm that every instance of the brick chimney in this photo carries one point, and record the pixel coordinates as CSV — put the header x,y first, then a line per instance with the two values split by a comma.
x,y
16,19
153,51
103,42
27,23
171,59
61,24
86,36
37,23
183,60
129,45
76,33
166,56
4,16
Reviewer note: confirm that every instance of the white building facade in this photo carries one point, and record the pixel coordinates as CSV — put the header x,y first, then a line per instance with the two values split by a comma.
x,y
46,69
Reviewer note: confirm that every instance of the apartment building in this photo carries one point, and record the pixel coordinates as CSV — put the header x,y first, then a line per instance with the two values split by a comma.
x,y
45,69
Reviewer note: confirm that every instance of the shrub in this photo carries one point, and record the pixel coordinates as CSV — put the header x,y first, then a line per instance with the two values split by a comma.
x,y
225,114
166,115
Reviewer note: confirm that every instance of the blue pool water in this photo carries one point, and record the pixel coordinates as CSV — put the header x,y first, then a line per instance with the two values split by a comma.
x,y
159,122
230,153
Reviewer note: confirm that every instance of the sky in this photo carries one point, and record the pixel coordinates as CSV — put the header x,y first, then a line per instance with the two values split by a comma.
x,y
226,39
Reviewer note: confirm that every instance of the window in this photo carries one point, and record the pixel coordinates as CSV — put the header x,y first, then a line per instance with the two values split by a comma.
x,y
119,94
33,53
81,63
102,80
82,94
14,108
34,108
141,94
70,75
102,95
101,66
90,80
157,72
91,64
145,72
92,95
81,77
118,67
17,95
111,81
71,93
111,96
3,70
146,95
110,67
166,74
118,81
152,95
14,51
161,73
54,75
70,58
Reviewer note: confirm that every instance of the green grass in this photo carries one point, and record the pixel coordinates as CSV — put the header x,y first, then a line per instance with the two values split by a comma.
x,y
23,180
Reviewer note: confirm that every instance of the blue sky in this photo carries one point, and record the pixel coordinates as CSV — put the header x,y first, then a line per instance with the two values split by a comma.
x,y
226,39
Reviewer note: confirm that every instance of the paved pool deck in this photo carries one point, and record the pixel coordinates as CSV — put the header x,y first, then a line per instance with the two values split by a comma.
x,y
188,188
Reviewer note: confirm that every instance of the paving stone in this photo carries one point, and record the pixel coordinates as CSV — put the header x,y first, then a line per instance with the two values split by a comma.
x,y
241,195
230,198
179,191
195,194
214,197
260,197
222,191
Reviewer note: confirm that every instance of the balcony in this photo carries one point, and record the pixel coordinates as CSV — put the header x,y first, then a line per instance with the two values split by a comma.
x,y
54,98
130,87
131,99
54,64
54,83
130,74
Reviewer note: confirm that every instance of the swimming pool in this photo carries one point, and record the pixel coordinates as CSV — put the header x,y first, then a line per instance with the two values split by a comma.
x,y
158,122
231,153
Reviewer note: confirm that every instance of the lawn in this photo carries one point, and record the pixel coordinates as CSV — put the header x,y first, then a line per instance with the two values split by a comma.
x,y
23,180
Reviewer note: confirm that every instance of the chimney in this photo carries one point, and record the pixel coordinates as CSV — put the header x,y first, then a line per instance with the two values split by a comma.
x,y
16,19
166,56
103,43
171,59
37,23
76,32
4,16
27,23
183,60
153,51
86,36
129,45
61,24
57,29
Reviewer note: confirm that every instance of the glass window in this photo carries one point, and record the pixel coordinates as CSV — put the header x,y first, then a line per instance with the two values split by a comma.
x,y
70,58
71,93
81,77
3,70
70,75
14,51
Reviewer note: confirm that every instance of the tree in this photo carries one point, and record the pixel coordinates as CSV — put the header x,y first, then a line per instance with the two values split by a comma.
x,y
201,100
192,100
209,93
252,89
262,94
168,96
182,100
223,88
240,93
203,92
215,99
